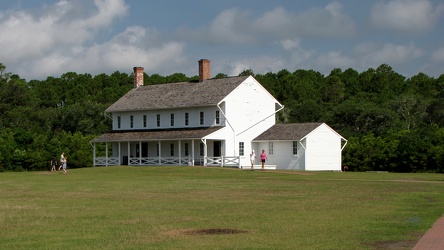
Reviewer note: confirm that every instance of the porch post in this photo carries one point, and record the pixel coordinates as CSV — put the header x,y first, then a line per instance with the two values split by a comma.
x,y
160,152
129,154
192,152
120,152
106,155
94,154
205,152
180,155
140,152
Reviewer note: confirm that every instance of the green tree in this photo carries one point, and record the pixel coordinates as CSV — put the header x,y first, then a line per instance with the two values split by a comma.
x,y
247,72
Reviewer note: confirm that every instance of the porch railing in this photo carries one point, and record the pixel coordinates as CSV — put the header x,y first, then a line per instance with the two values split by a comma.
x,y
158,161
224,161
112,161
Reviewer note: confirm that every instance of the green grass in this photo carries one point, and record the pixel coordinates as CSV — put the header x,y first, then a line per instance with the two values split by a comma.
x,y
158,207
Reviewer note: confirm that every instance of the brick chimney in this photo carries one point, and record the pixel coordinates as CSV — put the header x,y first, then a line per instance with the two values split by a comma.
x,y
204,70
138,76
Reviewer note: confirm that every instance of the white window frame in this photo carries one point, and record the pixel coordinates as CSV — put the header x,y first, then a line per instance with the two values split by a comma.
x,y
270,148
217,120
295,148
201,118
241,148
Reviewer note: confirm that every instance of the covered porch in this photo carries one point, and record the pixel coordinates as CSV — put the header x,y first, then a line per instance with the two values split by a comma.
x,y
179,147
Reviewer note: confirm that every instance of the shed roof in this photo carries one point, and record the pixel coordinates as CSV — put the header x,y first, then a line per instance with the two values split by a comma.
x,y
287,132
153,135
177,95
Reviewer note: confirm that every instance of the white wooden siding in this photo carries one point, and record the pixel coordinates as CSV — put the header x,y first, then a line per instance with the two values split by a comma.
x,y
250,111
165,118
323,150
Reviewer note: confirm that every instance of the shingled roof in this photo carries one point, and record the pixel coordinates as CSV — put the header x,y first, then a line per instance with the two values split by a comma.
x,y
153,135
287,132
177,95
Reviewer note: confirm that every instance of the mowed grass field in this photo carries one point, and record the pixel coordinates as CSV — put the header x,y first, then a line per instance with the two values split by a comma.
x,y
216,208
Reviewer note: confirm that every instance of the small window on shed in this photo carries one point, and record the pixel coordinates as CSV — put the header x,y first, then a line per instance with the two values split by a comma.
x,y
270,148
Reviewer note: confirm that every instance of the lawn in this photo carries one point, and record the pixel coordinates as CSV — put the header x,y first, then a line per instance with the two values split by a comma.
x,y
215,208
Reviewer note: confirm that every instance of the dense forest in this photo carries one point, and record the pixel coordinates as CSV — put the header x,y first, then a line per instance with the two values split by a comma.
x,y
392,123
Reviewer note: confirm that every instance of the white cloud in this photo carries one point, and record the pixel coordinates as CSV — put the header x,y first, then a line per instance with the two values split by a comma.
x,y
128,49
327,22
334,59
58,38
298,56
228,27
438,55
25,34
390,53
235,26
406,15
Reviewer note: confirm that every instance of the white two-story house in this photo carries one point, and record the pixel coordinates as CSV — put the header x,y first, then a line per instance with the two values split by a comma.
x,y
211,122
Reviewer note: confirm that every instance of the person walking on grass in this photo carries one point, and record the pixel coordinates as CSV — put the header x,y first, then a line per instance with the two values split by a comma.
x,y
263,158
62,156
65,161
53,164
252,159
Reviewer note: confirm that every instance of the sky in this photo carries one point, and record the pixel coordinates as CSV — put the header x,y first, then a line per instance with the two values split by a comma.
x,y
47,38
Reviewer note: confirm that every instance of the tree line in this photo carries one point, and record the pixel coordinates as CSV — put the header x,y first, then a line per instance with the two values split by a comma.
x,y
392,123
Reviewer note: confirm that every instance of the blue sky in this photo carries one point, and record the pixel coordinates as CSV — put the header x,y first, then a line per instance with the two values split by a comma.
x,y
48,38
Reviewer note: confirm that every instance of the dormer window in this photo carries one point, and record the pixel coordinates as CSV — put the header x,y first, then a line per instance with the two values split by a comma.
x,y
201,118
144,121
186,119
217,117
172,120
118,121
131,121
158,120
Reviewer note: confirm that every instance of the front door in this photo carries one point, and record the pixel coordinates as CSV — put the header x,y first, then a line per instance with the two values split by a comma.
x,y
217,147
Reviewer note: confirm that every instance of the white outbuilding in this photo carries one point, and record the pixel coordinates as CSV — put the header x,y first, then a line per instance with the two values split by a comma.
x,y
302,146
